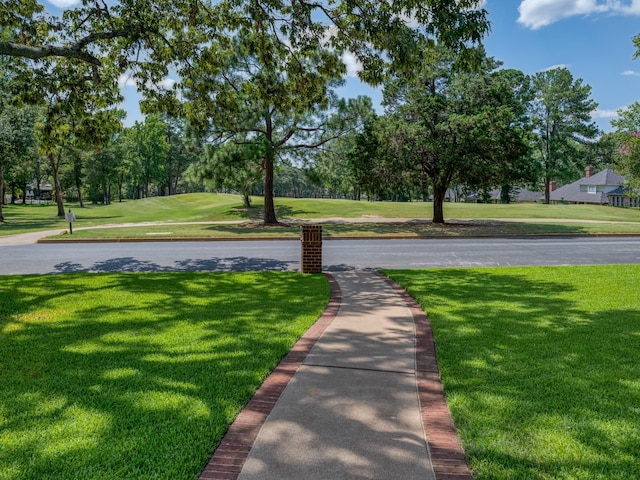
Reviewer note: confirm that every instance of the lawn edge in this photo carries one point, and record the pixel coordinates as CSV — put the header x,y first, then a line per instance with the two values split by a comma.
x,y
229,457
443,443
328,237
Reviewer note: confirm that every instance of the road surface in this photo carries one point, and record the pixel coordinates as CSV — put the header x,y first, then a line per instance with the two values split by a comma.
x,y
337,254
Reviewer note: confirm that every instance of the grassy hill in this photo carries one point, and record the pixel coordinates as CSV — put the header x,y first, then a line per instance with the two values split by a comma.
x,y
210,208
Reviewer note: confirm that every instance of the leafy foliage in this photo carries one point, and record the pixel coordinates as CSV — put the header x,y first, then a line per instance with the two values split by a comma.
x,y
628,135
561,118
456,126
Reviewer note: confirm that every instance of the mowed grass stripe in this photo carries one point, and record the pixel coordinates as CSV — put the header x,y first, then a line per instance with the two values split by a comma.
x,y
541,367
137,375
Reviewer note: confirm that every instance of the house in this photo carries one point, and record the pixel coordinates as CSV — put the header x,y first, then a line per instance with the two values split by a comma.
x,y
39,192
592,188
620,197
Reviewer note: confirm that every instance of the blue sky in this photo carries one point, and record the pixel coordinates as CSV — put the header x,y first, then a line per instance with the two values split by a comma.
x,y
592,38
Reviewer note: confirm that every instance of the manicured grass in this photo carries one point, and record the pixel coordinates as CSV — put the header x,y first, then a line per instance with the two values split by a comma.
x,y
466,228
207,207
137,376
541,367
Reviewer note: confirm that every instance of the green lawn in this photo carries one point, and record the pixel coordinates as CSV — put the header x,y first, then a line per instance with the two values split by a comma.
x,y
541,367
137,376
468,228
206,207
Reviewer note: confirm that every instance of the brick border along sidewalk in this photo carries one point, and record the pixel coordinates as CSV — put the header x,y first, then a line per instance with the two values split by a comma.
x,y
447,455
228,459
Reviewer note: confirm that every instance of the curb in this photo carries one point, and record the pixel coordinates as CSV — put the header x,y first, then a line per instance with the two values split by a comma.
x,y
165,239
327,238
228,459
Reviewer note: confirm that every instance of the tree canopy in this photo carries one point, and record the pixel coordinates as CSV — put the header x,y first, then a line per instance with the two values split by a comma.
x,y
456,126
243,69
627,126
561,117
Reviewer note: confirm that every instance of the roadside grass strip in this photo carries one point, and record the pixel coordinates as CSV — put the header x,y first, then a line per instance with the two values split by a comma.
x,y
137,376
453,229
540,366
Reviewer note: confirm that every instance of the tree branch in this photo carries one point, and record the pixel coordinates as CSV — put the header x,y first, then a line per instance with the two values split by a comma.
x,y
74,50
36,53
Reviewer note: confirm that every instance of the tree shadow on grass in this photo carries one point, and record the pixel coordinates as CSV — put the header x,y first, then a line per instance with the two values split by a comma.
x,y
139,388
540,384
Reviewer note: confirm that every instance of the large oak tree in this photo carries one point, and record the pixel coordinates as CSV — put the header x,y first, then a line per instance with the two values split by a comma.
x,y
462,126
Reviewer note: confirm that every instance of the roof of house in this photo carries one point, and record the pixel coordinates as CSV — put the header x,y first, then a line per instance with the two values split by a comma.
x,y
572,193
621,190
604,177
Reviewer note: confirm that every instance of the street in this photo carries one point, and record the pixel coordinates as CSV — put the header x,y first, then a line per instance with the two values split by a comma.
x,y
337,254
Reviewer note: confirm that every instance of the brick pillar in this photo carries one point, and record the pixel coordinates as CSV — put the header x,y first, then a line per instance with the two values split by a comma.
x,y
311,237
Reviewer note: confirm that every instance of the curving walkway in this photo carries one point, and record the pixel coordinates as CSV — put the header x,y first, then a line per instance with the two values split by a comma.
x,y
358,397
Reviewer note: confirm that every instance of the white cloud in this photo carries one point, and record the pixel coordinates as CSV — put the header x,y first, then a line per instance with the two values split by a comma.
x,y
352,63
604,113
125,80
128,80
535,14
555,67
631,73
64,3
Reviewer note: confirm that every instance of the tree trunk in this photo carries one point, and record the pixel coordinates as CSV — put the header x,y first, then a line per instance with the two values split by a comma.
x,y
505,194
547,192
439,193
79,188
176,181
55,165
269,207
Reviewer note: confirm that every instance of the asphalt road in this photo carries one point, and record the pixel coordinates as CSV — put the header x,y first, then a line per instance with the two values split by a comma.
x,y
337,254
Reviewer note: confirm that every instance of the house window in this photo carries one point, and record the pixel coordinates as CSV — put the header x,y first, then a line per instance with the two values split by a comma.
x,y
591,188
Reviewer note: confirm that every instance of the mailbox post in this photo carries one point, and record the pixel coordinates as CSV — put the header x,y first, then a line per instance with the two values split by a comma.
x,y
70,217
311,248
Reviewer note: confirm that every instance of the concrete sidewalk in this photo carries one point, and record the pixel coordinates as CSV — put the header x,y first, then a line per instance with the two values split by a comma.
x,y
354,405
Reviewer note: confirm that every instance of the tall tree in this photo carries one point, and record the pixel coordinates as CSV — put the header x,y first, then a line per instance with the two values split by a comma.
x,y
271,96
16,132
180,154
455,126
561,116
151,150
627,126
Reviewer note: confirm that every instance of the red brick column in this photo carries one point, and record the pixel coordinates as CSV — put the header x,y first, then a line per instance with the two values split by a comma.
x,y
311,237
